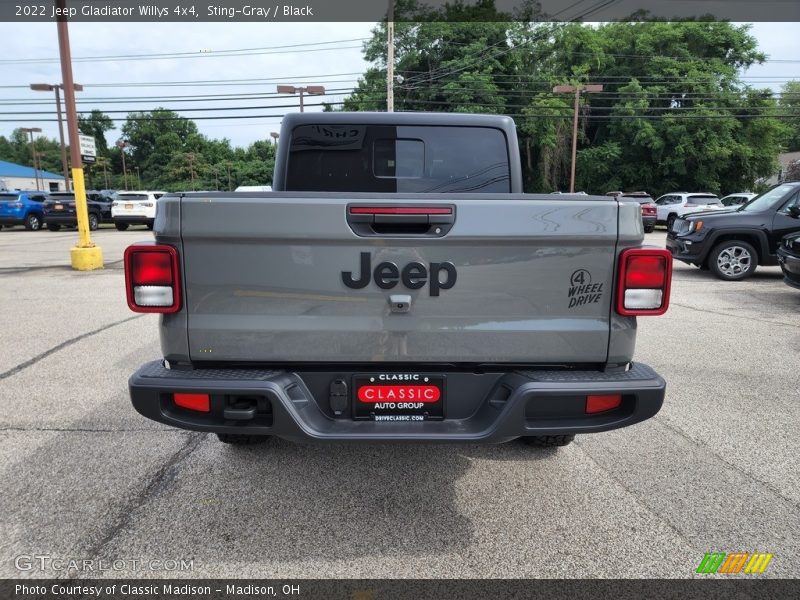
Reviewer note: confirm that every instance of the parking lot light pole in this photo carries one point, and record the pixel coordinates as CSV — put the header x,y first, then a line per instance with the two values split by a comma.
x,y
576,89
314,90
46,87
85,256
275,135
31,131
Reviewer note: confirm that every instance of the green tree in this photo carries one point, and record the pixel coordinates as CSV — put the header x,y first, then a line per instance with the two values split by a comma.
x,y
674,112
789,104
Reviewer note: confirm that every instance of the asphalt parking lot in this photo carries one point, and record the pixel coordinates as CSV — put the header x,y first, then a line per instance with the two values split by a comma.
x,y
83,476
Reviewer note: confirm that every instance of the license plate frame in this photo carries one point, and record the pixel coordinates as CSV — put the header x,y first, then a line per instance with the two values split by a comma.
x,y
129,207
399,397
58,207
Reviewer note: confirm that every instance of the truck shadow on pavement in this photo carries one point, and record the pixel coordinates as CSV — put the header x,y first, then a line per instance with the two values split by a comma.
x,y
281,501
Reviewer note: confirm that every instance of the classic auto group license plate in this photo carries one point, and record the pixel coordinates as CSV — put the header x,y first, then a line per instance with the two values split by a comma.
x,y
398,397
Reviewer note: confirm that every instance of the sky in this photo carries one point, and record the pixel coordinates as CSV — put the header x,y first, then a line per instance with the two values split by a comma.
x,y
313,53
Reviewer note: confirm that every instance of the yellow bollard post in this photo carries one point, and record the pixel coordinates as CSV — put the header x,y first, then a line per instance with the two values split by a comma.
x,y
85,256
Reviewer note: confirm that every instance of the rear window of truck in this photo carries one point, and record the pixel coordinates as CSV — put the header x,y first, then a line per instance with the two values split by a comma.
x,y
411,159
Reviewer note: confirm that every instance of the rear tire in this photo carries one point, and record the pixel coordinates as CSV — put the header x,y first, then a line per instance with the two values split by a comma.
x,y
733,260
238,439
94,221
54,227
121,226
150,226
650,229
670,221
548,441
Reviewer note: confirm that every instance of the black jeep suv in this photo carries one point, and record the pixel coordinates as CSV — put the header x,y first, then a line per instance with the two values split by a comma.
x,y
731,243
789,259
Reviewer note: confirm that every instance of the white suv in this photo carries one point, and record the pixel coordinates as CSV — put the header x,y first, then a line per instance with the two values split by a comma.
x,y
134,208
671,206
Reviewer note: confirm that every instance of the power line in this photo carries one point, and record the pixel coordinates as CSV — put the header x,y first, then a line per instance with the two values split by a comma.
x,y
289,48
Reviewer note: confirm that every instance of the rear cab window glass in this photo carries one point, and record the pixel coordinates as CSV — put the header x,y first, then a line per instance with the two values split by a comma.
x,y
699,200
390,159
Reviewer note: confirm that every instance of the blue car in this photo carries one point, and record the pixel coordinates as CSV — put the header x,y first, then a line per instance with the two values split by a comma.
x,y
22,208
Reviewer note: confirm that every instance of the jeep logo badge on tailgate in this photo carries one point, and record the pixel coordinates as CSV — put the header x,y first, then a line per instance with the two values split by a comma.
x,y
414,275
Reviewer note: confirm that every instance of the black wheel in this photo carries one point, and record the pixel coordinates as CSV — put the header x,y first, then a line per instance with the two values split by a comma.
x,y
33,222
93,221
548,441
650,229
670,221
121,226
53,226
238,439
150,226
733,260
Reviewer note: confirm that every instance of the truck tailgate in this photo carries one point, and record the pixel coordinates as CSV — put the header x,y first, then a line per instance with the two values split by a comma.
x,y
264,279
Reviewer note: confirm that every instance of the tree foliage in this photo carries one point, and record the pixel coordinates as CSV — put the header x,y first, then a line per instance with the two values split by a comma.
x,y
164,151
674,112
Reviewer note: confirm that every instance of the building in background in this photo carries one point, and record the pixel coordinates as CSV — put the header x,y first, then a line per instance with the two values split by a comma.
x,y
20,177
785,161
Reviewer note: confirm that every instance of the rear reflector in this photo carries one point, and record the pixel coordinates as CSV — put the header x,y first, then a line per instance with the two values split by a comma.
x,y
644,280
598,404
152,282
196,402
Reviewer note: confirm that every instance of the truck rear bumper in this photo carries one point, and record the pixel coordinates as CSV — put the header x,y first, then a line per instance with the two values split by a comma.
x,y
500,407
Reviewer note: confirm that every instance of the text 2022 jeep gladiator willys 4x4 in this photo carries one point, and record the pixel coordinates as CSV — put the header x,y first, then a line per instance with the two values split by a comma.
x,y
397,285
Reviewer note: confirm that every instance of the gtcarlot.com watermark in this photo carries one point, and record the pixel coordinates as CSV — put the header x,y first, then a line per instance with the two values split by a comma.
x,y
46,562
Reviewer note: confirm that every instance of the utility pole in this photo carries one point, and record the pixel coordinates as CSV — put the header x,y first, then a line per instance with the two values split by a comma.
x,y
103,162
191,168
390,58
31,131
85,256
122,144
576,89
313,90
138,178
46,87
228,165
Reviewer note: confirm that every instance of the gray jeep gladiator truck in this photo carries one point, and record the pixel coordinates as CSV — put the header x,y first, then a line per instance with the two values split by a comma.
x,y
397,284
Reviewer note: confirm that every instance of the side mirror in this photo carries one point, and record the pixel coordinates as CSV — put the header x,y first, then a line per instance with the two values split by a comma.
x,y
794,211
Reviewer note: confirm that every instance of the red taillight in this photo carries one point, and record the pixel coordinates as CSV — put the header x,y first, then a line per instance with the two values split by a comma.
x,y
602,403
152,282
151,268
646,272
645,276
196,402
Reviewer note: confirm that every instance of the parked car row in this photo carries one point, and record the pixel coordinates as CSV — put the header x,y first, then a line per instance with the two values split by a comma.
x,y
54,210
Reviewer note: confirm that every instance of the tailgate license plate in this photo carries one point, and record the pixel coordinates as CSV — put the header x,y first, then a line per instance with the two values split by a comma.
x,y
129,207
59,207
398,397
